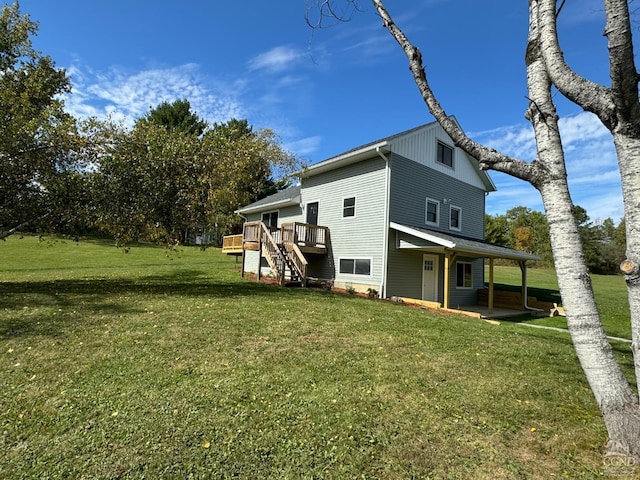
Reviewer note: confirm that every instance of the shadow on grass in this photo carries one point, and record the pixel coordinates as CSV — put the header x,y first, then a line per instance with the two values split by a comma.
x,y
49,307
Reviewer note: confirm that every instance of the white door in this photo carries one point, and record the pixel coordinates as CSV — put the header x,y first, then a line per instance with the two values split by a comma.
x,y
430,278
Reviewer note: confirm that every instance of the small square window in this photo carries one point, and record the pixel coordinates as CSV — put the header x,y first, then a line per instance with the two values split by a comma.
x,y
455,217
432,213
445,155
349,207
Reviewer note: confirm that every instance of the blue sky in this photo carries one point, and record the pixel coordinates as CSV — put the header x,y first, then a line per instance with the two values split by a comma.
x,y
327,91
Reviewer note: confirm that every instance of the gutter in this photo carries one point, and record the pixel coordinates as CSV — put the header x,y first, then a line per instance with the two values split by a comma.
x,y
385,240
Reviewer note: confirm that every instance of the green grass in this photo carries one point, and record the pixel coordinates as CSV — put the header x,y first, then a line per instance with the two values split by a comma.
x,y
610,292
156,365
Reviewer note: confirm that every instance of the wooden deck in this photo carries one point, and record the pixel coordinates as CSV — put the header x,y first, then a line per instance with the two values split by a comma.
x,y
232,244
308,238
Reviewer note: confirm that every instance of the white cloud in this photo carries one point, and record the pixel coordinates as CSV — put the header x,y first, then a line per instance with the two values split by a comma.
x,y
304,146
127,96
592,170
277,59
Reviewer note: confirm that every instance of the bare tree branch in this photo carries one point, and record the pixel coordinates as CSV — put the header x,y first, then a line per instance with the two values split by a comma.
x,y
328,13
488,158
591,96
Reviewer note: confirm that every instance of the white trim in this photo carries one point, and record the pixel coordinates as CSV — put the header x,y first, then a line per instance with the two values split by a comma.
x,y
355,206
426,212
355,258
287,202
459,227
344,159
422,235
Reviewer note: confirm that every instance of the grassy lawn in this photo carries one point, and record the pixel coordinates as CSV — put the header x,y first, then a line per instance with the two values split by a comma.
x,y
156,365
610,292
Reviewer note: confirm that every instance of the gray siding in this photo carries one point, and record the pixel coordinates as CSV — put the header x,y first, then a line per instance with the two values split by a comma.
x,y
412,183
285,214
466,296
353,237
405,277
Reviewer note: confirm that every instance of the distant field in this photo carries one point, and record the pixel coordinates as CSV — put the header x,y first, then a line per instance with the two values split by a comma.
x,y
610,292
167,365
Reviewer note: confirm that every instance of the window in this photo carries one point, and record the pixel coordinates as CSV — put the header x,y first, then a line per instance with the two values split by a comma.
x,y
355,266
445,155
464,275
349,207
455,218
270,219
432,213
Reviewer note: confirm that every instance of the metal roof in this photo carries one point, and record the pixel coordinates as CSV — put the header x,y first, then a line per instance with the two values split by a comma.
x,y
473,247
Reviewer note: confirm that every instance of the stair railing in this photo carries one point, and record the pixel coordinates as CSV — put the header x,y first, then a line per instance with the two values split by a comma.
x,y
298,261
272,253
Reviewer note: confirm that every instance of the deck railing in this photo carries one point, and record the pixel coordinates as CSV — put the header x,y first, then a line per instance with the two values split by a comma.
x,y
304,234
252,232
232,243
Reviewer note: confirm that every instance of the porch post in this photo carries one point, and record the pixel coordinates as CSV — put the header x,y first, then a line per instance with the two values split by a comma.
x,y
447,265
490,302
243,250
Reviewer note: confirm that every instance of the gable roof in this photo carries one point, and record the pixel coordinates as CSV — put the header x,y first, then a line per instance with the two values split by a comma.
x,y
381,146
283,198
462,244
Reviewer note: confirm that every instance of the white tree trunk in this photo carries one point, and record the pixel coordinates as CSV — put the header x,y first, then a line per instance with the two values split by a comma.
x,y
616,399
628,150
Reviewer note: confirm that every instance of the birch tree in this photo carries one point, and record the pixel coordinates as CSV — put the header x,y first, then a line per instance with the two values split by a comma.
x,y
618,108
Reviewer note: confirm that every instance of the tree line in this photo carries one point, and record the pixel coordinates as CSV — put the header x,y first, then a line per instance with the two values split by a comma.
x,y
171,178
527,230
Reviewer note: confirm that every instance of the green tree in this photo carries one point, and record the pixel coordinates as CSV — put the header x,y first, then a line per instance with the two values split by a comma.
x,y
145,184
239,170
162,182
539,242
497,229
38,167
175,117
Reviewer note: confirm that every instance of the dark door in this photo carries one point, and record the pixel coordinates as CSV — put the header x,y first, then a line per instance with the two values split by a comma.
x,y
312,213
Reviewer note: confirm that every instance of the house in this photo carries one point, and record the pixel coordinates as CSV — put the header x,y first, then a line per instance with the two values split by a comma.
x,y
400,217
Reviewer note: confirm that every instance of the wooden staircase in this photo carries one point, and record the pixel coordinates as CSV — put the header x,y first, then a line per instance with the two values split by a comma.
x,y
286,260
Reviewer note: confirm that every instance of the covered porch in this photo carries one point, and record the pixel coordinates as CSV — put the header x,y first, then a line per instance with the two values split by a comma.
x,y
487,303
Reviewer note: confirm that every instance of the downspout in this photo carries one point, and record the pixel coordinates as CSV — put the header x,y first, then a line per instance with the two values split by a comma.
x,y
525,303
385,239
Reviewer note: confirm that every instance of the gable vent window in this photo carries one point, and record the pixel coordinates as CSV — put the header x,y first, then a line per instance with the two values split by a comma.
x,y
445,155
349,207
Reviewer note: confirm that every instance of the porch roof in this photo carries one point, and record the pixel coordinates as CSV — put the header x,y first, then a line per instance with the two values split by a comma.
x,y
431,239
283,198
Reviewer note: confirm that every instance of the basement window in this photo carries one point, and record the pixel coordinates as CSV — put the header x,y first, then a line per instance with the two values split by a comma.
x,y
355,266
